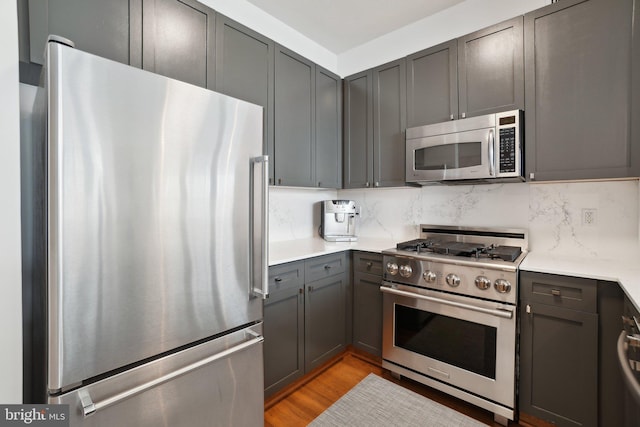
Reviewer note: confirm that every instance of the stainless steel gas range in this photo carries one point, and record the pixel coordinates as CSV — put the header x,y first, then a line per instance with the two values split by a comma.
x,y
449,312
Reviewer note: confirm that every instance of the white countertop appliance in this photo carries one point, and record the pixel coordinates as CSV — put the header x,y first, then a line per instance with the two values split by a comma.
x,y
338,220
148,196
450,315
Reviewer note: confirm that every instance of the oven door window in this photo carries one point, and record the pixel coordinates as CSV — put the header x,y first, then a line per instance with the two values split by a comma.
x,y
449,156
467,345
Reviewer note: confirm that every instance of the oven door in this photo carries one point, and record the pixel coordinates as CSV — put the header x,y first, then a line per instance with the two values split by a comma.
x,y
460,155
461,341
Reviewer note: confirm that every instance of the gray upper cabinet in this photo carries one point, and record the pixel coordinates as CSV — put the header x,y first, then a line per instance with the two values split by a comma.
x,y
480,73
110,29
358,130
328,136
294,119
389,124
491,69
178,40
375,121
245,70
582,62
432,85
308,128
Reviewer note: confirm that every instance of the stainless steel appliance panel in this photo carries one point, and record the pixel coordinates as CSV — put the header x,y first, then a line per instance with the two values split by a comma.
x,y
222,379
466,315
149,234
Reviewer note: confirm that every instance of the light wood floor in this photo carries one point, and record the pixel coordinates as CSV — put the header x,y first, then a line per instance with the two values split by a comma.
x,y
301,404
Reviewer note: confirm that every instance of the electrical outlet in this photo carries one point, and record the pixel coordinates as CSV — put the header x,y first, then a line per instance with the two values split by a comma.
x,y
589,217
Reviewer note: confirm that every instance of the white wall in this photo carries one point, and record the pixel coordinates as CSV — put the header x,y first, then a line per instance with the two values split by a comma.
x,y
10,264
461,19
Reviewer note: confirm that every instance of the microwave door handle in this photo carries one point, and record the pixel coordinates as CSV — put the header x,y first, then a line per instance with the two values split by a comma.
x,y
492,163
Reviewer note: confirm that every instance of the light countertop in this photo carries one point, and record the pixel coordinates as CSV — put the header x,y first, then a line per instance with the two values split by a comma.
x,y
626,271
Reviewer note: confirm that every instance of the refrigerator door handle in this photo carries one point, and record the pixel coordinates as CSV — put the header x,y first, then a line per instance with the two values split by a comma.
x,y
90,408
262,272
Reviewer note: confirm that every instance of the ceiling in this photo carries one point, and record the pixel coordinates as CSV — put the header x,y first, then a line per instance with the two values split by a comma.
x,y
340,25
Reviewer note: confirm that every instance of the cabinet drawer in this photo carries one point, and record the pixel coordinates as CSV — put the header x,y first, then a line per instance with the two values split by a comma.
x,y
324,266
286,276
367,262
561,291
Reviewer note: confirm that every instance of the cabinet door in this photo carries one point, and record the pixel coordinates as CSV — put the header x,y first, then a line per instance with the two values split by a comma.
x,y
179,40
559,364
491,69
284,327
367,313
110,29
294,120
328,138
432,85
283,339
358,130
324,320
244,70
579,71
390,123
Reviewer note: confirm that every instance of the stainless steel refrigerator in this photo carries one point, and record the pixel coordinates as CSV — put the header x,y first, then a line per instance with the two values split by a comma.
x,y
145,222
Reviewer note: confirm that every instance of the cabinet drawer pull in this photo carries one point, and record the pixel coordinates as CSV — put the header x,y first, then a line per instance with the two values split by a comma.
x,y
327,267
369,265
278,279
310,288
555,292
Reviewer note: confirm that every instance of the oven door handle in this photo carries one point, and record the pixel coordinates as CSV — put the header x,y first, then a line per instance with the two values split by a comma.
x,y
506,314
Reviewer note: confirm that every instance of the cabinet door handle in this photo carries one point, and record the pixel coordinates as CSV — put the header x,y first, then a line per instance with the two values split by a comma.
x,y
310,288
555,292
369,265
277,279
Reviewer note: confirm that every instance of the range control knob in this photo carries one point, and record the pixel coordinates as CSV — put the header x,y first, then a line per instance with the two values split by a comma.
x,y
452,280
429,276
503,286
483,283
406,270
392,268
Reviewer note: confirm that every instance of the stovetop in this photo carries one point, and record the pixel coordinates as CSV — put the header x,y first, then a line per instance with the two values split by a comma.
x,y
462,249
501,248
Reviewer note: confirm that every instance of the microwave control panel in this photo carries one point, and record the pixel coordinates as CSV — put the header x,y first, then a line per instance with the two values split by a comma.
x,y
507,150
509,147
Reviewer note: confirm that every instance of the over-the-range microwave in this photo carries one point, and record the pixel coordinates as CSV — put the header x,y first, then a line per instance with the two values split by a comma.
x,y
483,148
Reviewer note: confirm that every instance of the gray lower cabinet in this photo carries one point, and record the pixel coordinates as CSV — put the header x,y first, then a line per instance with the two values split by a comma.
x,y
110,29
582,61
245,70
178,40
374,122
304,318
367,302
284,326
559,349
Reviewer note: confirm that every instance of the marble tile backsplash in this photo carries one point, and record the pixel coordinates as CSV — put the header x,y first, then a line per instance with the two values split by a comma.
x,y
552,212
